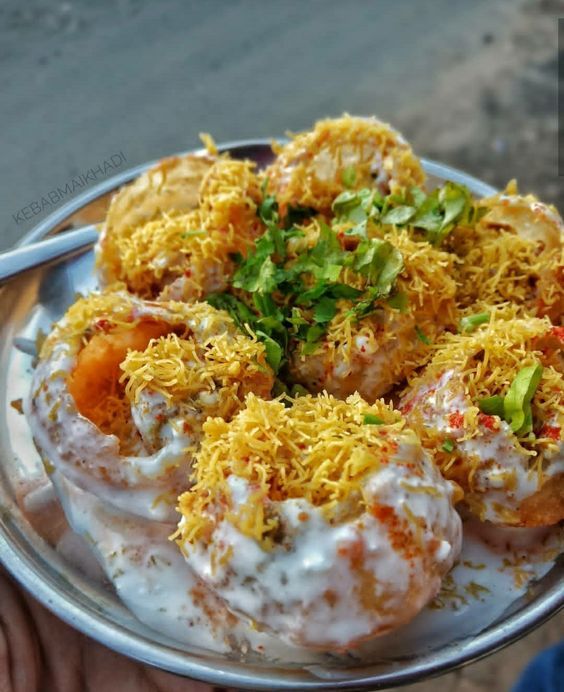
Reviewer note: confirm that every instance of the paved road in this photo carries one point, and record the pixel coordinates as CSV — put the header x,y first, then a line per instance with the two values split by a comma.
x,y
81,81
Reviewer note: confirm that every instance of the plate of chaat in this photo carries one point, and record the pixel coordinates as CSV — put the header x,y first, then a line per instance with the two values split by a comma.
x,y
296,421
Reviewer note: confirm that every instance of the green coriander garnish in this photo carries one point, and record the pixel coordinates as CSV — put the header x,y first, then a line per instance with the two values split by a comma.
x,y
472,322
371,419
348,176
422,336
435,213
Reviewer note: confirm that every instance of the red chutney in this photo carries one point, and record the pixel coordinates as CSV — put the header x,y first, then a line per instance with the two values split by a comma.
x,y
456,420
487,421
552,431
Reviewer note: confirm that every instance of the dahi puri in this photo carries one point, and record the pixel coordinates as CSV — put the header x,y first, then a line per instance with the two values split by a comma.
x,y
174,232
373,354
122,389
490,407
514,253
325,523
308,171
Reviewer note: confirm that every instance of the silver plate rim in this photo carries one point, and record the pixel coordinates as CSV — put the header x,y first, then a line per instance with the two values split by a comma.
x,y
43,587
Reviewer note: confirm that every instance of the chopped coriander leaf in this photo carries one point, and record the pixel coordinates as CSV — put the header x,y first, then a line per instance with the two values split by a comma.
x,y
357,206
313,335
348,176
517,402
379,261
399,301
454,199
366,306
492,406
472,322
455,205
266,306
265,281
309,347
398,216
312,294
247,275
297,215
274,326
418,196
358,229
274,352
437,212
346,202
422,336
330,272
237,310
371,419
343,291
327,250
278,287
279,239
268,209
325,310
428,217
242,316
297,390
299,325
448,446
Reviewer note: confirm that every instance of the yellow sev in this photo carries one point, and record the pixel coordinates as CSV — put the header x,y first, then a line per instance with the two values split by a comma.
x,y
498,265
180,368
319,449
197,244
309,170
514,253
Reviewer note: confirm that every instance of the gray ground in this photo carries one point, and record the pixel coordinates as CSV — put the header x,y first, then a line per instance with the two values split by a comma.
x,y
472,83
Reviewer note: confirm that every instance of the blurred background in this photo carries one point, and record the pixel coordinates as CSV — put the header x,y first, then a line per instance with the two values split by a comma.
x,y
473,84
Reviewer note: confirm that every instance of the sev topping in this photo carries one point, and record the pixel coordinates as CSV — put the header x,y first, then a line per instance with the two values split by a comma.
x,y
514,253
197,244
320,449
180,368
